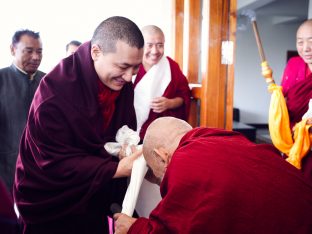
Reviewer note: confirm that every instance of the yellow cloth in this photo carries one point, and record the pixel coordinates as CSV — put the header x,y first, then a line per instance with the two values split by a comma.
x,y
294,146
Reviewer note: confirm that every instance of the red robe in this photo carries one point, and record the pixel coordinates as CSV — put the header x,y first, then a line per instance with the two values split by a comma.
x,y
295,71
297,100
8,220
297,89
178,87
219,182
63,174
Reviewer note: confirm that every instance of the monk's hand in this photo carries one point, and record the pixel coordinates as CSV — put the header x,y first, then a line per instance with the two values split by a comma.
x,y
160,104
309,121
122,223
125,164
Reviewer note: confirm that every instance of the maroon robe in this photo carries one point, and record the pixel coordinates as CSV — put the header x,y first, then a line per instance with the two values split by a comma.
x,y
297,100
220,182
178,87
63,174
8,220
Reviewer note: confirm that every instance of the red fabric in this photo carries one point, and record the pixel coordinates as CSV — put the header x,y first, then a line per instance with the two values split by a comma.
x,y
8,220
219,182
107,99
294,72
297,89
63,171
178,87
6,203
297,100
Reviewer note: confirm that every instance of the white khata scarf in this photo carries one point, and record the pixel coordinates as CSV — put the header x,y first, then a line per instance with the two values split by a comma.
x,y
153,84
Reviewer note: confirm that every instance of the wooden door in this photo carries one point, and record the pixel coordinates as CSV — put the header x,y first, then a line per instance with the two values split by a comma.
x,y
212,22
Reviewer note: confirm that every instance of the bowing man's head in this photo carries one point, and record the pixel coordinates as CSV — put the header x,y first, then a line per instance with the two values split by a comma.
x,y
117,50
161,140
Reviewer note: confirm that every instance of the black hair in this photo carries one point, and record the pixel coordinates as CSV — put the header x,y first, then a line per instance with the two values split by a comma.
x,y
74,42
18,34
117,28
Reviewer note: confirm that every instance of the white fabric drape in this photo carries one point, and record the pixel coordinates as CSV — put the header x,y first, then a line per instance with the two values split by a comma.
x,y
153,84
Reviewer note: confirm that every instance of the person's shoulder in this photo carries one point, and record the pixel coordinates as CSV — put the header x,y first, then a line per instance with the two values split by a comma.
x,y
172,62
296,60
175,67
5,69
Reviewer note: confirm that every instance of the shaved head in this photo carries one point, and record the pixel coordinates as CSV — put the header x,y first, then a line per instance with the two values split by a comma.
x,y
305,24
117,28
164,132
152,29
161,140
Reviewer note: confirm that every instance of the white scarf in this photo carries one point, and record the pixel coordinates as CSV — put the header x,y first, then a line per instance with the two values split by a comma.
x,y
153,84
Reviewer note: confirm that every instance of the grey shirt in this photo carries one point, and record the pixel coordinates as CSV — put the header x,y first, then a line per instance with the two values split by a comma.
x,y
16,94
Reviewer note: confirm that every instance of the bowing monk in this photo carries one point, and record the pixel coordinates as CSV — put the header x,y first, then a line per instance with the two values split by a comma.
x,y
217,181
65,181
160,89
297,86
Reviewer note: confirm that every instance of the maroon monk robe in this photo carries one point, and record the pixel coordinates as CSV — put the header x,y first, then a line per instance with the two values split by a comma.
x,y
63,171
8,220
297,100
178,87
219,182
295,71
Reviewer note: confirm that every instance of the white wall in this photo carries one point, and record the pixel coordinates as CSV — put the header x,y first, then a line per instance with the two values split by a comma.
x,y
61,21
250,90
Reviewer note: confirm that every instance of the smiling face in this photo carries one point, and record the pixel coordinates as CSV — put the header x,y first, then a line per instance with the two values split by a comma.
x,y
116,68
304,42
27,54
153,48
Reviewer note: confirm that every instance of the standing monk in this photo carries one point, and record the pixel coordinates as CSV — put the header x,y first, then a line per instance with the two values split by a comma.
x,y
65,180
217,181
18,84
297,86
161,89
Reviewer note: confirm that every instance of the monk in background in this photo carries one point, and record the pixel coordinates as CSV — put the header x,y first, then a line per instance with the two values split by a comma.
x,y
217,181
72,47
160,89
297,86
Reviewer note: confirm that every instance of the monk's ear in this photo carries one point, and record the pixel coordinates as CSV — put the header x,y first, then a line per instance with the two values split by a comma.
x,y
95,52
12,50
163,154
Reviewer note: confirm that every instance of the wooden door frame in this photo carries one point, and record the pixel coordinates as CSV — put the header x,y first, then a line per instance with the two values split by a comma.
x,y
216,91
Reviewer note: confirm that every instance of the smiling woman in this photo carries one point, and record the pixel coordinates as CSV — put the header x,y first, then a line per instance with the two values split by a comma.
x,y
69,23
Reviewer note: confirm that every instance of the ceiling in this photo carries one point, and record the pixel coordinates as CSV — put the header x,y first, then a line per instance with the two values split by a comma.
x,y
280,11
